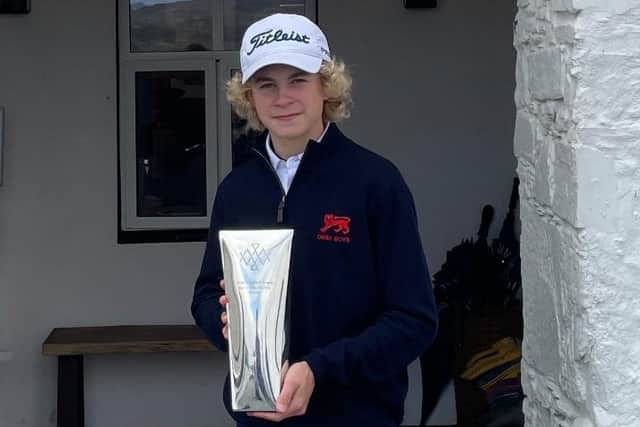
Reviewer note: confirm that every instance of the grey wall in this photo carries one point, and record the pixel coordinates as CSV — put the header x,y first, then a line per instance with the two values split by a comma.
x,y
433,92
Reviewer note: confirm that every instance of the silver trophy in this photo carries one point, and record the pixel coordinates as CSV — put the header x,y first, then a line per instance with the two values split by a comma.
x,y
255,264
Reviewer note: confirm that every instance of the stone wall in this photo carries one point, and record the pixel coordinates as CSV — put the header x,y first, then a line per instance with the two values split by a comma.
x,y
577,140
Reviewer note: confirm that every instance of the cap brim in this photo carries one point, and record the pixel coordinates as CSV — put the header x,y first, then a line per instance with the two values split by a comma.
x,y
308,63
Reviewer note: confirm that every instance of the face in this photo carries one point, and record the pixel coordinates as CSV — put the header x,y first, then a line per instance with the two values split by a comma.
x,y
289,102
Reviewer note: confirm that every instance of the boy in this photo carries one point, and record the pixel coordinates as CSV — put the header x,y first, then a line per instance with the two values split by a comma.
x,y
361,303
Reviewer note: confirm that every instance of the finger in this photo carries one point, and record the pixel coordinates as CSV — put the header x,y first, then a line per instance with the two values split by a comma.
x,y
269,416
289,389
225,332
223,317
283,373
223,300
222,283
298,405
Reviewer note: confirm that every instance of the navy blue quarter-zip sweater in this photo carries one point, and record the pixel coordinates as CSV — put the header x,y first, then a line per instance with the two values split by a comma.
x,y
361,304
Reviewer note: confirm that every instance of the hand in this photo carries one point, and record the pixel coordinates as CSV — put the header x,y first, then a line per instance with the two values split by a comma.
x,y
223,316
297,387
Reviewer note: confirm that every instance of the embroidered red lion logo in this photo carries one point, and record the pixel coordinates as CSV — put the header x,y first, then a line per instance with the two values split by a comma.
x,y
340,224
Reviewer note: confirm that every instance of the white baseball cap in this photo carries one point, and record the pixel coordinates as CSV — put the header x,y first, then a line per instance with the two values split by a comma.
x,y
283,39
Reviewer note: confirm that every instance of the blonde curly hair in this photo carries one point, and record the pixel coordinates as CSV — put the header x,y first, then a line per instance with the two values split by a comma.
x,y
336,83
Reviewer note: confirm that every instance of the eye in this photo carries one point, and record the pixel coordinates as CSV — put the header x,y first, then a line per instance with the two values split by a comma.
x,y
299,80
265,85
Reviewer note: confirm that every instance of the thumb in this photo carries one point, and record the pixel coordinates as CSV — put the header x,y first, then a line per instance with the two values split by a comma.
x,y
289,389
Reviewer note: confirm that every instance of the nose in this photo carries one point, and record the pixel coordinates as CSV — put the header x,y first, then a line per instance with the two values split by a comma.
x,y
283,97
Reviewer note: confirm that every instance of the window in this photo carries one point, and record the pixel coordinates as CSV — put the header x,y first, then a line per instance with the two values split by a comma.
x,y
177,134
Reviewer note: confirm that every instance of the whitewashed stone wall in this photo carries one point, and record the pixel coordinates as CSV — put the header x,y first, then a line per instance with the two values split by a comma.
x,y
577,140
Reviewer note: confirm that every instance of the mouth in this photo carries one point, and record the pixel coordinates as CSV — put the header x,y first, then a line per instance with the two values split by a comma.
x,y
286,117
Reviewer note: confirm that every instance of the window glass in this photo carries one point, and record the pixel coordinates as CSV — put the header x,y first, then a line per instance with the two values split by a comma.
x,y
239,14
170,143
170,25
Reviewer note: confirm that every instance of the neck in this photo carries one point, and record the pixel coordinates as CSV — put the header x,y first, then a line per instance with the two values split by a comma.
x,y
287,147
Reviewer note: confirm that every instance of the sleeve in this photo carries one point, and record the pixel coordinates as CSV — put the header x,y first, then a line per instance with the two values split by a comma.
x,y
407,324
205,307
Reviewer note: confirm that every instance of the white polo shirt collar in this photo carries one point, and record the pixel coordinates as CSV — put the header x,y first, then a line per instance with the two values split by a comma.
x,y
286,169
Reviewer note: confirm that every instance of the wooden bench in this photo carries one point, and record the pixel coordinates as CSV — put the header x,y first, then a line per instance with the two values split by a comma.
x,y
71,344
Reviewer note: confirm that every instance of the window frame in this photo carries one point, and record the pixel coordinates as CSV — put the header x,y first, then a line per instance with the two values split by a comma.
x,y
216,65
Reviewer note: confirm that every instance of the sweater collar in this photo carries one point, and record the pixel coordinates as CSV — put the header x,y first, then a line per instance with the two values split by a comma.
x,y
275,159
329,138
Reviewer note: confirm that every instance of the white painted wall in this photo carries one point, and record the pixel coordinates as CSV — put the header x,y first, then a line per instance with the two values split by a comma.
x,y
576,138
433,92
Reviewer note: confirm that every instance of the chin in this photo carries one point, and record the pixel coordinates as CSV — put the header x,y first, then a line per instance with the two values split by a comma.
x,y
287,131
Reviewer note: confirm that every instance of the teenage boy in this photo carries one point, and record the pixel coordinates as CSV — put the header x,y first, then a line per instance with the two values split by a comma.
x,y
361,304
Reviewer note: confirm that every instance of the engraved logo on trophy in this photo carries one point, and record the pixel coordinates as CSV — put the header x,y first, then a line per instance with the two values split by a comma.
x,y
254,256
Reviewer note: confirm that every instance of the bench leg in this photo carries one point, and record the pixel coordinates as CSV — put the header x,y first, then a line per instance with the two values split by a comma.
x,y
70,391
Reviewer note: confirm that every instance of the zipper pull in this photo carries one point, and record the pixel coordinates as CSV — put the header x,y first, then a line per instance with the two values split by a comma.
x,y
280,216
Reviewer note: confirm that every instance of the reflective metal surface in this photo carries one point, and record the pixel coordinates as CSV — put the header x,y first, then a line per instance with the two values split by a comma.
x,y
256,273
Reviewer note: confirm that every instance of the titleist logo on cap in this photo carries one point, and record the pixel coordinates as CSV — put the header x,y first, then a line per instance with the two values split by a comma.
x,y
286,39
268,37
